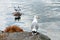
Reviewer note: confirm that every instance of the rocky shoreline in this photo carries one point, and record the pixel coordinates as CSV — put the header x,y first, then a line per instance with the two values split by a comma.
x,y
23,36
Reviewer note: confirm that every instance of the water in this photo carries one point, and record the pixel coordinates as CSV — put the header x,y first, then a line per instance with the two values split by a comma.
x,y
48,13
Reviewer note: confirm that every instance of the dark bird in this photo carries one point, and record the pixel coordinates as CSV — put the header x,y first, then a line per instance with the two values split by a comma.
x,y
17,14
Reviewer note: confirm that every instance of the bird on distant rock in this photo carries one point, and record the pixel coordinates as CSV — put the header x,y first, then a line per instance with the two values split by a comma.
x,y
34,26
17,14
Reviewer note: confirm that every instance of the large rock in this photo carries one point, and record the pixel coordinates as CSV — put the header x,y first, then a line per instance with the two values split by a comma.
x,y
23,36
13,28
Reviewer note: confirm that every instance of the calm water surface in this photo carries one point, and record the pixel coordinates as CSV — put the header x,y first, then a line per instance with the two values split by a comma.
x,y
49,16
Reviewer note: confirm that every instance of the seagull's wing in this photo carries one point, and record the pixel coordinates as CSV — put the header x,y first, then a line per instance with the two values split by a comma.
x,y
35,25
32,26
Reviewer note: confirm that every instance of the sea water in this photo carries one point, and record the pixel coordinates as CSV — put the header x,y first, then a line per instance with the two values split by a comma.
x,y
48,12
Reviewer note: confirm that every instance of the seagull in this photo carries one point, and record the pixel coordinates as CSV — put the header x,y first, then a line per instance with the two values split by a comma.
x,y
34,25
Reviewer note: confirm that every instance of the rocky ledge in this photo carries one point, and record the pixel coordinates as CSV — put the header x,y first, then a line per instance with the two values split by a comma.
x,y
23,36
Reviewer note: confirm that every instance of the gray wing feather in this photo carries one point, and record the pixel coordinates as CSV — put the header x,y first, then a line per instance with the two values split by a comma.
x,y
35,25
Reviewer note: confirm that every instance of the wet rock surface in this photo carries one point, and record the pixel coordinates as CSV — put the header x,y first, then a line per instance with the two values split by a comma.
x,y
23,36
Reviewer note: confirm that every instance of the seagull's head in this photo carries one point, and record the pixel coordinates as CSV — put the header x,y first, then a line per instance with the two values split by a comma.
x,y
36,17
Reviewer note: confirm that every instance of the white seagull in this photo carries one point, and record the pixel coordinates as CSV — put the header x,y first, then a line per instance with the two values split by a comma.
x,y
34,26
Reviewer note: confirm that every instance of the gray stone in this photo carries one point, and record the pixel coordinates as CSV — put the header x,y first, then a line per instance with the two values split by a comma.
x,y
24,36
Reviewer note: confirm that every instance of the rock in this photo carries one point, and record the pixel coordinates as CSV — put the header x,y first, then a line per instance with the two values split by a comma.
x,y
13,28
24,36
0,31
